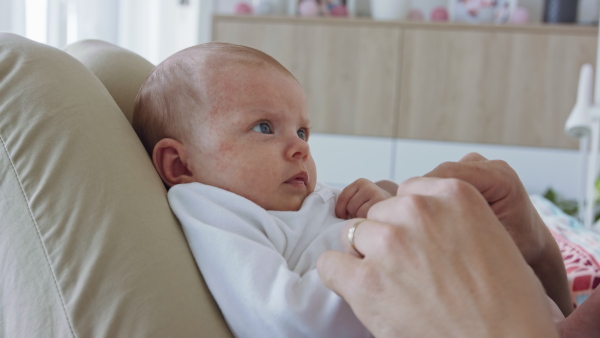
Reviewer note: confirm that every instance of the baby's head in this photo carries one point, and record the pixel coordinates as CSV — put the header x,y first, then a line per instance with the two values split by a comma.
x,y
231,117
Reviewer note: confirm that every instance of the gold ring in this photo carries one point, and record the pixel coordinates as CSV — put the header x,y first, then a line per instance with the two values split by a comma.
x,y
351,232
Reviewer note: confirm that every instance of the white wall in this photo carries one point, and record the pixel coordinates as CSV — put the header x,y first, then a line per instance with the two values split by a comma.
x,y
342,159
538,168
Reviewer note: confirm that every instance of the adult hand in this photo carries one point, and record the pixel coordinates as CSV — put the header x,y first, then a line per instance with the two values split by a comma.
x,y
436,262
501,187
583,322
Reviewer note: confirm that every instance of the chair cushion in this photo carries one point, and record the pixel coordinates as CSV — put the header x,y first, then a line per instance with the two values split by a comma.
x,y
121,71
88,244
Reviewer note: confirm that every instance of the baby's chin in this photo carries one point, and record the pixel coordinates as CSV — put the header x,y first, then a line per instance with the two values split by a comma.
x,y
283,200
293,204
287,207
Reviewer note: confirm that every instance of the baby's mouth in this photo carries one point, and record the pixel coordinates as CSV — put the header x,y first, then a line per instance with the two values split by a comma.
x,y
300,178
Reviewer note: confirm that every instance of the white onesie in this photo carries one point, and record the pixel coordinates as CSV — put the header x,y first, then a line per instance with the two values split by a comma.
x,y
260,265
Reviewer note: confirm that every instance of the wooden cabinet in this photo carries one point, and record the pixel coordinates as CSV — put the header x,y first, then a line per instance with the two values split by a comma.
x,y
499,86
512,85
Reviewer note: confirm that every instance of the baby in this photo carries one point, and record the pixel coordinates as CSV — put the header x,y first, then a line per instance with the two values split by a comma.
x,y
227,129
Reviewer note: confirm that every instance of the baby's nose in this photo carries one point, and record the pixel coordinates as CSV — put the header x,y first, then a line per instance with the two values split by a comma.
x,y
298,149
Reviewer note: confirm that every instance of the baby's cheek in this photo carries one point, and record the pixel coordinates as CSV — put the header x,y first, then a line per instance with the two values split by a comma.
x,y
228,157
312,168
225,147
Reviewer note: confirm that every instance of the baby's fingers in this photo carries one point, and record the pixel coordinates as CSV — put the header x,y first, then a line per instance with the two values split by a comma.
x,y
341,207
357,203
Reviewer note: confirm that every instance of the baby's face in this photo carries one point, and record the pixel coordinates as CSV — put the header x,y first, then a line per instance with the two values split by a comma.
x,y
253,142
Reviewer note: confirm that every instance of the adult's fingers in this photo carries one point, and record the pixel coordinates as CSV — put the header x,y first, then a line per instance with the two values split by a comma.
x,y
336,269
401,261
473,157
494,179
434,186
415,189
345,237
504,192
371,236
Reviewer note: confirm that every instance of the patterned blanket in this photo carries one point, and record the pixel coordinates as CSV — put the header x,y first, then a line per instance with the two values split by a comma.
x,y
580,248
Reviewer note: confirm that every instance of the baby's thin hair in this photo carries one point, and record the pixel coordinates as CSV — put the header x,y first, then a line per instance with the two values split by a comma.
x,y
171,95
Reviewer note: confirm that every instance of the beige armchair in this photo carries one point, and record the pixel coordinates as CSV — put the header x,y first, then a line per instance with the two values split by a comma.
x,y
88,244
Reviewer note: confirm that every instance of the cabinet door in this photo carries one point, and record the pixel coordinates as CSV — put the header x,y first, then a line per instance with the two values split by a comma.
x,y
512,87
347,70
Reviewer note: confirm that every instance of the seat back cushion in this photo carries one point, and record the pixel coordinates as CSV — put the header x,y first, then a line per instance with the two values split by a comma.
x,y
88,244
121,71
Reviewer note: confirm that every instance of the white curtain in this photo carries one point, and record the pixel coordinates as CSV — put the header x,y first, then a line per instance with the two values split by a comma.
x,y
97,19
152,28
12,16
60,22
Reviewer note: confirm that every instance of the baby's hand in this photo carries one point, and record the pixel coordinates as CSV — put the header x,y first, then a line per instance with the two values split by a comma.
x,y
357,198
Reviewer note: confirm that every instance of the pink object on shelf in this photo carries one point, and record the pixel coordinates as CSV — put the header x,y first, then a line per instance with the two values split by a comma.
x,y
415,15
309,8
243,8
339,10
520,15
439,14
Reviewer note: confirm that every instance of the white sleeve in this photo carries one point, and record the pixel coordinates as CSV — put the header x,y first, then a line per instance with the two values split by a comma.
x,y
250,280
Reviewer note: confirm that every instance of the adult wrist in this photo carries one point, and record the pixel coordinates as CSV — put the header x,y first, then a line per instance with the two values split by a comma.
x,y
550,269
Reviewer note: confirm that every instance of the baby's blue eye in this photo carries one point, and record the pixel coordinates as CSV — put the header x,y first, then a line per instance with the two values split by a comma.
x,y
263,127
302,134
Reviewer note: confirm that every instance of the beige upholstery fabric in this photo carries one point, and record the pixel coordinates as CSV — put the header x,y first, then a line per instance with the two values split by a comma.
x,y
88,244
121,71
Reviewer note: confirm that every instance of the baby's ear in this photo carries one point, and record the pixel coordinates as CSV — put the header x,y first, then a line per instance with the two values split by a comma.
x,y
170,161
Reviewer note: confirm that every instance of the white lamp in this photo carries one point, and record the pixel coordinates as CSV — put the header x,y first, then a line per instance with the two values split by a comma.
x,y
584,121
579,123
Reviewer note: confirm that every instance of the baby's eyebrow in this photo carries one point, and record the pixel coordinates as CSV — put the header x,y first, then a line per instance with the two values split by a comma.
x,y
306,123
